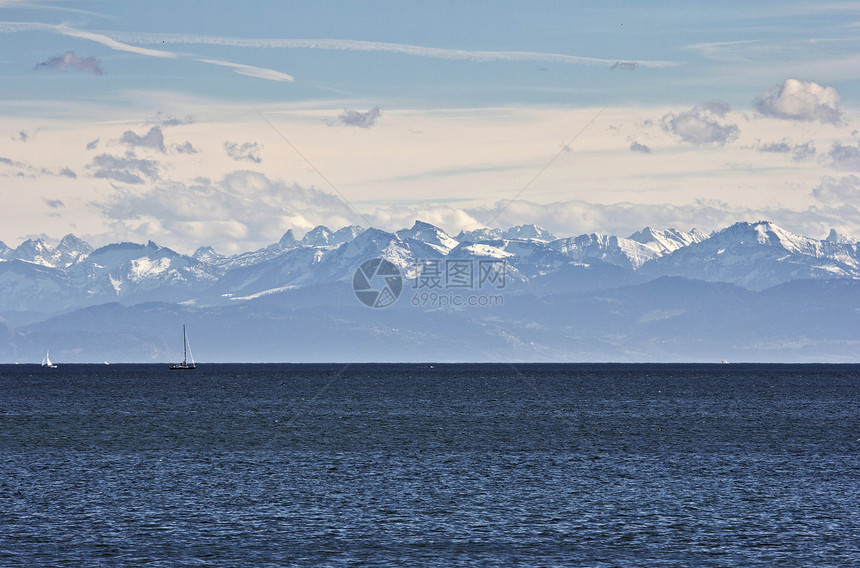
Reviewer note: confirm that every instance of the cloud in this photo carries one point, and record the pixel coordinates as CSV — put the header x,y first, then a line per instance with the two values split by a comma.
x,y
700,125
23,136
370,46
448,218
637,147
26,170
251,71
243,210
185,148
54,203
92,145
833,191
803,151
162,119
360,119
798,151
845,157
152,139
775,147
570,218
247,152
125,170
69,60
105,40
624,65
801,100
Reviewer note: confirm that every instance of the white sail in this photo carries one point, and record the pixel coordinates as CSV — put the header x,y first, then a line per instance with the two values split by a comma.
x,y
46,362
188,346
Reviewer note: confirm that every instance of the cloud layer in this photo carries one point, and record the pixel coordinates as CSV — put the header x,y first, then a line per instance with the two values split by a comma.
x,y
242,210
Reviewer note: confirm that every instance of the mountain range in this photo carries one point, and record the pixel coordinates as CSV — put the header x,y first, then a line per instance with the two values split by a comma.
x,y
752,291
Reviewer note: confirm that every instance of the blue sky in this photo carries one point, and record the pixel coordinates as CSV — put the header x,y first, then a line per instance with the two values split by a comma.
x,y
222,123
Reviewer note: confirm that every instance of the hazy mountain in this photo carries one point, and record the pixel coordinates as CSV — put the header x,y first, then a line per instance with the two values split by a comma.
x,y
667,319
752,290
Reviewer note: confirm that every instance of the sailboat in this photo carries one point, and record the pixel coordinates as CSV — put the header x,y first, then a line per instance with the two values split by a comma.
x,y
186,351
46,362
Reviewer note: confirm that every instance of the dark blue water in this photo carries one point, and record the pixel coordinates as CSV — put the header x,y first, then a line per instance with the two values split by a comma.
x,y
407,465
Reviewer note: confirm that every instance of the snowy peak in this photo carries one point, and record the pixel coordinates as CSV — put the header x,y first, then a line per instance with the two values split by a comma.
x,y
619,251
345,234
319,236
429,234
479,236
767,234
667,240
759,255
529,232
207,255
72,249
38,251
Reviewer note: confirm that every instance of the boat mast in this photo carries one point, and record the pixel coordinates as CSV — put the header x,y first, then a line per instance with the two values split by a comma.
x,y
184,345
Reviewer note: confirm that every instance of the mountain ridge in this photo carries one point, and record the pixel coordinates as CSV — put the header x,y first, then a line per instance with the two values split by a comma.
x,y
39,280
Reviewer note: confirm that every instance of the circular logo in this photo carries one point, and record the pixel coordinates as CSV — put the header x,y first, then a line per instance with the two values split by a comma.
x,y
377,283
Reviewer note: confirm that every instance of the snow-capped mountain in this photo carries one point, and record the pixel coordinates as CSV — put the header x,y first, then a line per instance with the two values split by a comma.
x,y
530,232
69,250
38,276
668,240
757,256
429,234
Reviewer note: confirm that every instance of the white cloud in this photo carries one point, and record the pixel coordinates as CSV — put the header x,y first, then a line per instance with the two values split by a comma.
x,y
637,147
251,71
701,125
108,41
801,100
242,211
126,169
570,218
355,45
833,191
91,64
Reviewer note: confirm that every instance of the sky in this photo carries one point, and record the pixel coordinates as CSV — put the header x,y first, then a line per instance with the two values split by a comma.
x,y
225,124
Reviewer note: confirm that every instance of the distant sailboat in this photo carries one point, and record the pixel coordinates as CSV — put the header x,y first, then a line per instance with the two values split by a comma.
x,y
46,362
186,351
